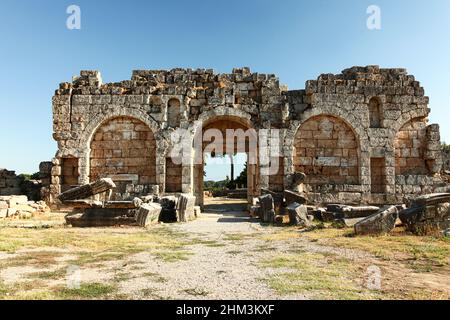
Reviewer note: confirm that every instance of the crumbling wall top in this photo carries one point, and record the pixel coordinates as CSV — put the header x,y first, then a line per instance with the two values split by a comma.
x,y
90,81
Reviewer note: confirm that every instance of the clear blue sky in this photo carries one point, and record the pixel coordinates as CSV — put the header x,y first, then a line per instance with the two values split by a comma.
x,y
297,40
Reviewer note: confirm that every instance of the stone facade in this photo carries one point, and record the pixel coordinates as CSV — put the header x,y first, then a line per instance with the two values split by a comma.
x,y
361,136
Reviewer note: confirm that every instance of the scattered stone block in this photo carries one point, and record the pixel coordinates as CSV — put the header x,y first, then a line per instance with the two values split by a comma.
x,y
148,214
426,220
135,203
350,212
107,219
185,208
351,222
431,199
378,223
88,190
169,209
298,215
267,209
84,204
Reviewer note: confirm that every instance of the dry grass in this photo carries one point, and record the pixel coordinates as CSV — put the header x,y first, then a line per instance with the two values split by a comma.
x,y
421,252
411,265
318,276
44,248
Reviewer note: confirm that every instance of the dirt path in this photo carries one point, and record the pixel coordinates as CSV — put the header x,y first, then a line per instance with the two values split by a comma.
x,y
221,266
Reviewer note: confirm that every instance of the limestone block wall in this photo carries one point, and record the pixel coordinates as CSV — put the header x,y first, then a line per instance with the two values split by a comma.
x,y
326,150
360,136
123,146
379,105
91,146
410,145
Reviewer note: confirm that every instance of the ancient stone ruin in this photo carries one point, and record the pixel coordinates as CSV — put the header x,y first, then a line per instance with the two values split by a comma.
x,y
358,137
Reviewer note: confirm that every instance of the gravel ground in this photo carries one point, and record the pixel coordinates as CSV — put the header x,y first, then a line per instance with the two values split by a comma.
x,y
224,269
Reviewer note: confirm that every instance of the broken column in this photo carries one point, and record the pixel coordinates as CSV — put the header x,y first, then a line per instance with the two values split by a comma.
x,y
87,190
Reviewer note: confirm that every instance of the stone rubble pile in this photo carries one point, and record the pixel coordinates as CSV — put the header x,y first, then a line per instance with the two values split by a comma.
x,y
425,215
20,207
142,211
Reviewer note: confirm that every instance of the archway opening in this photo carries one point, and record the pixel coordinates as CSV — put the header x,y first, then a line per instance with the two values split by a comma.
x,y
228,170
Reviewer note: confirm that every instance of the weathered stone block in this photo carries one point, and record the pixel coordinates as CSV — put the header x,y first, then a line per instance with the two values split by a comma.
x,y
379,223
427,219
267,208
88,190
185,208
298,215
148,214
291,197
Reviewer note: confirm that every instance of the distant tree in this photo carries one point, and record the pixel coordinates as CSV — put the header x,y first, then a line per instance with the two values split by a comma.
x,y
241,180
445,147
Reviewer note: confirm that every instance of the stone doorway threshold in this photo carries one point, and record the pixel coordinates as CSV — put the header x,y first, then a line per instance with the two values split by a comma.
x,y
226,210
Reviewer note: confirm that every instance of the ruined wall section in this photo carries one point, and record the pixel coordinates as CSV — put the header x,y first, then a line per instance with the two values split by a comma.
x,y
354,96
154,97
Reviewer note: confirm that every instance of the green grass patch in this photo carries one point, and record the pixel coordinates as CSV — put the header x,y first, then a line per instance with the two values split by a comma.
x,y
172,256
48,275
87,291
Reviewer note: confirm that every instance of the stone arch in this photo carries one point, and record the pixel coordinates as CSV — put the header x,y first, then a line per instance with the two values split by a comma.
x,y
406,117
173,113
327,150
222,118
375,113
101,118
87,135
209,116
123,148
410,145
350,119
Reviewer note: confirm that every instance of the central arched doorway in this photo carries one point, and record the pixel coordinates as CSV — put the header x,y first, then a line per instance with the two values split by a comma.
x,y
238,136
